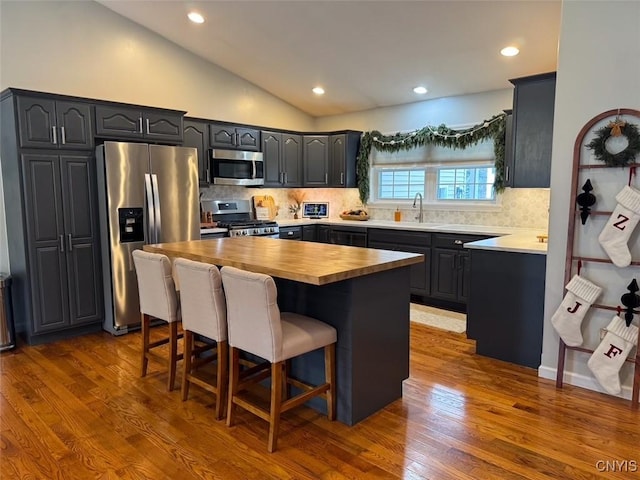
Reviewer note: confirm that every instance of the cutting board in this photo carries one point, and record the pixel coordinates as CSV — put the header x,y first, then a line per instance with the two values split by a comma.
x,y
265,207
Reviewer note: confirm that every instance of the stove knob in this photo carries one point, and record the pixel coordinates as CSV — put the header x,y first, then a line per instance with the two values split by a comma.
x,y
256,231
244,232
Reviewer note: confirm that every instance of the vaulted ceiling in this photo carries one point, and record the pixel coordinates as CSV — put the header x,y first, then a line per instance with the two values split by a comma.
x,y
365,54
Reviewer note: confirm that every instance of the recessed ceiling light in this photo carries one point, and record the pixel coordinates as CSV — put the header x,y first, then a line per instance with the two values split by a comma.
x,y
509,51
318,90
420,90
195,17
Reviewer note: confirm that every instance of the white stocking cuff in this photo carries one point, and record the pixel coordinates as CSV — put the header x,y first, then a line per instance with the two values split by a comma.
x,y
629,198
619,328
584,289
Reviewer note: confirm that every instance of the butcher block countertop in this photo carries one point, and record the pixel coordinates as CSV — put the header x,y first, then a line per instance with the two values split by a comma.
x,y
306,262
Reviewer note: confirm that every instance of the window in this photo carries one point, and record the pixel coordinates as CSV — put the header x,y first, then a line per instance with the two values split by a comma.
x,y
465,183
400,184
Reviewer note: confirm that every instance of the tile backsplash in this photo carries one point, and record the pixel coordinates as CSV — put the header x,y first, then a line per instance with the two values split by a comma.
x,y
520,207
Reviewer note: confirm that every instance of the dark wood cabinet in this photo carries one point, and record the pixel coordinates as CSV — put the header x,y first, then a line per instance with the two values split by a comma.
x,y
282,153
309,233
62,241
227,136
322,234
342,159
196,135
316,160
412,242
124,122
505,312
52,124
532,134
350,236
450,268
52,225
291,233
330,160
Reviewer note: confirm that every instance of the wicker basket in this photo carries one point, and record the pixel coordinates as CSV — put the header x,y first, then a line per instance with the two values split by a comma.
x,y
354,217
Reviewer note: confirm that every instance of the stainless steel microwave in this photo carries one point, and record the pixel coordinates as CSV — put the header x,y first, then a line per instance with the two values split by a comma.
x,y
236,167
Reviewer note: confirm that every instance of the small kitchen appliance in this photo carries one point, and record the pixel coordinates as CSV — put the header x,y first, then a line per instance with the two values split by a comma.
x,y
235,215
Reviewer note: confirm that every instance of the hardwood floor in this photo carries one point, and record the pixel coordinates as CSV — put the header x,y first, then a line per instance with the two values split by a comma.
x,y
77,409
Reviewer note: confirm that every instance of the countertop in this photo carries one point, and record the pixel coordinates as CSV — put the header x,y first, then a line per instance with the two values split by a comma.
x,y
507,239
306,262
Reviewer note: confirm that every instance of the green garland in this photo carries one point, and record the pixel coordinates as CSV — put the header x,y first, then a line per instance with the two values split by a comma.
x,y
620,159
441,136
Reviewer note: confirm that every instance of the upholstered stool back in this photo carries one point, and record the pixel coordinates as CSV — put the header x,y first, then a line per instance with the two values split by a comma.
x,y
156,287
204,309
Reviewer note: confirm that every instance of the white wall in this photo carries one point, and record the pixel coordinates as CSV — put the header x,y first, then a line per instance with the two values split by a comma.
x,y
593,76
84,49
451,111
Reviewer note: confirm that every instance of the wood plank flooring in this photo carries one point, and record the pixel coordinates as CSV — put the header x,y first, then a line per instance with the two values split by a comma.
x,y
77,409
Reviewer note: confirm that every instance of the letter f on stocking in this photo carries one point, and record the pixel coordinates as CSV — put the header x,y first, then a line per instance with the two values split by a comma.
x,y
613,351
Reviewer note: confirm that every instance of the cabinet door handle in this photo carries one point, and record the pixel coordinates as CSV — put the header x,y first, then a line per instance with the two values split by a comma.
x,y
507,174
208,175
148,129
326,178
237,140
289,234
61,239
55,135
458,242
69,244
284,176
63,136
139,124
341,178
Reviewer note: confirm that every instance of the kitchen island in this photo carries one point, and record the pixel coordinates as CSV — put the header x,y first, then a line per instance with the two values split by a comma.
x,y
363,293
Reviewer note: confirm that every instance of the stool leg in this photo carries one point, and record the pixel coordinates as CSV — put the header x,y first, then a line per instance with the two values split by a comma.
x,y
234,373
223,371
173,354
276,404
330,376
186,371
145,345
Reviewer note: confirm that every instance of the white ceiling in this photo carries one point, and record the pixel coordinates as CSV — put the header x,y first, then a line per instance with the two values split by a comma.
x,y
366,54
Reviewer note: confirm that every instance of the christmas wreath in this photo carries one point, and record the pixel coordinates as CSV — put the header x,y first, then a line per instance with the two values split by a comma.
x,y
616,128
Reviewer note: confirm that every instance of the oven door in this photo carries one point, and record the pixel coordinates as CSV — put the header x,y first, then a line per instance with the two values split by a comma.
x,y
231,167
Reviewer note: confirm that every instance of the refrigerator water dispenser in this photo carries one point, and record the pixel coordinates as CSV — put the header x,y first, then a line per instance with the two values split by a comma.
x,y
131,222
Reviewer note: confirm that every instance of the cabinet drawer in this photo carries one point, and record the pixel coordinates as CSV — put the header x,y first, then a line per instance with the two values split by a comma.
x,y
399,237
291,233
455,241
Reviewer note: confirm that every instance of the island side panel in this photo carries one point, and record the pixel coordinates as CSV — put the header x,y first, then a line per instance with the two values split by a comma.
x,y
371,315
505,312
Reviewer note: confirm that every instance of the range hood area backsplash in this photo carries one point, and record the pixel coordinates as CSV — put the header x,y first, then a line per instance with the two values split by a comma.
x,y
520,207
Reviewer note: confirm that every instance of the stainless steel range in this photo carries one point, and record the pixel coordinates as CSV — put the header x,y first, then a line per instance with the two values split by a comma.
x,y
235,215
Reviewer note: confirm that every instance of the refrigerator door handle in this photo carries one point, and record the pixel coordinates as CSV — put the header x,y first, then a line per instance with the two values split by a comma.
x,y
253,172
156,195
150,210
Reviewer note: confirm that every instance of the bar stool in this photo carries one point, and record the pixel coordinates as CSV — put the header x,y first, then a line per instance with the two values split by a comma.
x,y
159,300
256,326
204,312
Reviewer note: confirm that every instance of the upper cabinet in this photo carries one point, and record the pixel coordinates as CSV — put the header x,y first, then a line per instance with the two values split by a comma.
x,y
330,160
342,159
48,123
196,135
316,160
282,153
532,131
124,122
223,135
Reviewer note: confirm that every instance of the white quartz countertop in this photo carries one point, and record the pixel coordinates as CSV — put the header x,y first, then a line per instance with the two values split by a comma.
x,y
507,239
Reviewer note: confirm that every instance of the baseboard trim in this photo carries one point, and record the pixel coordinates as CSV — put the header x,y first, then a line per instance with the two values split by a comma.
x,y
582,381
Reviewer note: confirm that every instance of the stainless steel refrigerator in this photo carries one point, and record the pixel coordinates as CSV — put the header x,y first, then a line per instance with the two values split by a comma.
x,y
147,194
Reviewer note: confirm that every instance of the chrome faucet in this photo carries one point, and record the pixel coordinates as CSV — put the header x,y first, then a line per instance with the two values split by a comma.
x,y
419,216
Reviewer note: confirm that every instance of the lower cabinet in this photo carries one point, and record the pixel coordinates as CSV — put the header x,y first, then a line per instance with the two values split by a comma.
x,y
412,242
309,233
63,244
291,233
450,267
351,236
505,311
